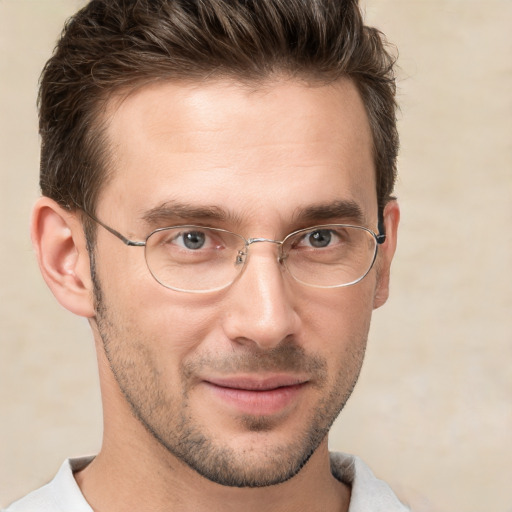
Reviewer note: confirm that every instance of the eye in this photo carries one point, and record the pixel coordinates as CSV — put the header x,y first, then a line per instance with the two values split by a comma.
x,y
193,240
319,238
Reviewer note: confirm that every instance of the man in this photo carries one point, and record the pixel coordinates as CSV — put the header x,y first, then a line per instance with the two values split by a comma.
x,y
217,179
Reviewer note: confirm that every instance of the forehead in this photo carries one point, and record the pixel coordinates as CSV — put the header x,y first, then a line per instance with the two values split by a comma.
x,y
269,148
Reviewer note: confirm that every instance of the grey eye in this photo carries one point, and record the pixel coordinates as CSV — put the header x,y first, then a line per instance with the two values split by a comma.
x,y
320,238
193,239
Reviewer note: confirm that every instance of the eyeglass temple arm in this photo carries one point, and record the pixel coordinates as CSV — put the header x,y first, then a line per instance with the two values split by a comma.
x,y
381,237
121,237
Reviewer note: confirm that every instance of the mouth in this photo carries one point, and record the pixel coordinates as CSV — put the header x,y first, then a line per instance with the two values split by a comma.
x,y
259,396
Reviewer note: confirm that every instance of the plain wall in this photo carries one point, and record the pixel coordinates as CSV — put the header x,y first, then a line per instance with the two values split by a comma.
x,y
432,411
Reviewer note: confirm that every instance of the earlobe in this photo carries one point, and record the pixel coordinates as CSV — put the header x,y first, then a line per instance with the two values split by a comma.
x,y
59,242
386,253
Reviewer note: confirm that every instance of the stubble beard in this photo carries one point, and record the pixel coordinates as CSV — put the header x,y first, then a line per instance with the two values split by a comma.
x,y
169,421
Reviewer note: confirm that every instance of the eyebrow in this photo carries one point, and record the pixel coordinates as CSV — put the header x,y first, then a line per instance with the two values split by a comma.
x,y
172,211
336,210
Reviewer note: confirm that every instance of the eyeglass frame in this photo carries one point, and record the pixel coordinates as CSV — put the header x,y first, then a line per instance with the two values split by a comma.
x,y
380,238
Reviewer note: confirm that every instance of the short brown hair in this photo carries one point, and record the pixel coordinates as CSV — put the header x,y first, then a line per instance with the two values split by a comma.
x,y
111,45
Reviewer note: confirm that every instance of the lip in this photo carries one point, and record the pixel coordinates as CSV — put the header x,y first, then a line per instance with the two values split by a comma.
x,y
259,396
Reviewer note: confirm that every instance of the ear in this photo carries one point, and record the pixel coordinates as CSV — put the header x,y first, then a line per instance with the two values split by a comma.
x,y
59,242
386,253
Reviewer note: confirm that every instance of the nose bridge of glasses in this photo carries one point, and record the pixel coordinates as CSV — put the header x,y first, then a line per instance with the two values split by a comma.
x,y
242,254
257,240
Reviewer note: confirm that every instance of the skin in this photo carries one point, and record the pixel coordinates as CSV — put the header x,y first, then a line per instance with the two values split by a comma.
x,y
174,439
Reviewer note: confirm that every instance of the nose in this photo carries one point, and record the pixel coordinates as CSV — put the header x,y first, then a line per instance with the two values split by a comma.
x,y
262,308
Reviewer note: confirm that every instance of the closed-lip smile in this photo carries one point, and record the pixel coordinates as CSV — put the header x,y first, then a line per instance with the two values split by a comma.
x,y
257,395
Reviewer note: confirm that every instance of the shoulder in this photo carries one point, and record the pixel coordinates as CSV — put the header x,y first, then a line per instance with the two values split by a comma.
x,y
367,491
62,494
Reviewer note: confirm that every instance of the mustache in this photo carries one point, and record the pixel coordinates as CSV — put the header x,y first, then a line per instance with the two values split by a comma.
x,y
286,358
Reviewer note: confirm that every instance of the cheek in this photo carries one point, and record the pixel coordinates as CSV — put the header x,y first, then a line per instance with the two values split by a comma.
x,y
337,323
173,329
336,315
170,324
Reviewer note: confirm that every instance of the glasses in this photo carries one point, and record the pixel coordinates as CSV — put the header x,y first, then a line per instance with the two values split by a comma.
x,y
200,259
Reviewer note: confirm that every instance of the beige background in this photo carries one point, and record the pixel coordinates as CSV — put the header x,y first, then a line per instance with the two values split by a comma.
x,y
432,412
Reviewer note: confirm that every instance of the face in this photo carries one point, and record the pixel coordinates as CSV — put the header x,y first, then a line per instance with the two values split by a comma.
x,y
241,384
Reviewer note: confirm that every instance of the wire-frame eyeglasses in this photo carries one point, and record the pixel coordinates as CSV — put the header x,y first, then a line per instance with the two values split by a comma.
x,y
199,259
